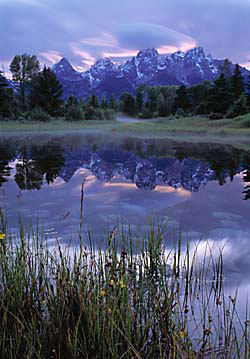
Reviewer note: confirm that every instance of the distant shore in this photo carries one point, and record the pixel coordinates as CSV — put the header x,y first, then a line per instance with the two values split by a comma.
x,y
192,129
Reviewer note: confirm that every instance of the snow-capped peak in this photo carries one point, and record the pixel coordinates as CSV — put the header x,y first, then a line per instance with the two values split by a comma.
x,y
147,53
63,66
196,53
103,65
179,53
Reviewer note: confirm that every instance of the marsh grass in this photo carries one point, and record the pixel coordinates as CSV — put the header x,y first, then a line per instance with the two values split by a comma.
x,y
135,299
192,128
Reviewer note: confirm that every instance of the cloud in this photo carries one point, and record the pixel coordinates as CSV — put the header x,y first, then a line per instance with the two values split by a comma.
x,y
51,56
143,35
110,28
104,40
87,59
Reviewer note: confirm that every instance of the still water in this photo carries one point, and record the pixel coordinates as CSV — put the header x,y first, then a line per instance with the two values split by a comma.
x,y
201,188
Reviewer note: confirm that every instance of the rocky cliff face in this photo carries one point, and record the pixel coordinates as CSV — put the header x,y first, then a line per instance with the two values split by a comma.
x,y
148,67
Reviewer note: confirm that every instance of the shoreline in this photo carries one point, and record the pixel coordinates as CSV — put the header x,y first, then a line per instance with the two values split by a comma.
x,y
183,130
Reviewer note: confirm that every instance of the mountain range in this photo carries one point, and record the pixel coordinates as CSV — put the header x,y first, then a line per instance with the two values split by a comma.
x,y
147,67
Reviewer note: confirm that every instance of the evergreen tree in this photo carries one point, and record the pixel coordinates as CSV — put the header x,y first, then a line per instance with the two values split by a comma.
x,y
152,93
182,100
160,105
71,101
139,99
104,103
23,68
237,84
248,92
94,101
220,96
6,97
46,91
226,68
112,103
199,97
169,94
128,104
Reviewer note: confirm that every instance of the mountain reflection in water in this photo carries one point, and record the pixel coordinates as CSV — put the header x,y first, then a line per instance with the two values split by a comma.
x,y
148,164
201,188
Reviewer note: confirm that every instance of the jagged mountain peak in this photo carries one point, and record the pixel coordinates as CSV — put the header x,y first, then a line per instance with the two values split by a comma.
x,y
63,66
147,67
147,53
103,64
196,52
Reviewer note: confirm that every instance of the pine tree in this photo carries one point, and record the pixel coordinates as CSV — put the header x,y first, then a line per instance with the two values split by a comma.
x,y
160,105
23,68
220,96
46,91
139,100
6,97
112,104
237,84
182,100
129,104
94,101
104,103
226,68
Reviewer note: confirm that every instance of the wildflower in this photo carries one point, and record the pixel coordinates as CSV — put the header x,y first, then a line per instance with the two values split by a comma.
x,y
121,283
2,235
111,283
182,334
109,310
102,293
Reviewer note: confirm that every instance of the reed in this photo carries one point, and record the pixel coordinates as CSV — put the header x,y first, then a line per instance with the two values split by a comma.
x,y
132,299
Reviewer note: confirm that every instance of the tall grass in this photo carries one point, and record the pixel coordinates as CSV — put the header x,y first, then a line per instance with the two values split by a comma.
x,y
133,300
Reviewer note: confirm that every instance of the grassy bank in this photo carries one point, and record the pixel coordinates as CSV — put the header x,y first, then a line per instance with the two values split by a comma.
x,y
193,129
137,300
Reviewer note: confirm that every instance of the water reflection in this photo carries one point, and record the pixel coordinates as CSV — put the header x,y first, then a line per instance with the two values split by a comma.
x,y
147,164
196,187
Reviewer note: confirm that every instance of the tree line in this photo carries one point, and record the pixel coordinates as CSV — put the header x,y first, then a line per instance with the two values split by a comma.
x,y
38,96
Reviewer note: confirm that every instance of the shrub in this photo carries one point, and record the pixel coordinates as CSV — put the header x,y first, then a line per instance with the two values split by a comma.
x,y
100,114
74,113
179,113
90,113
37,115
238,108
216,116
109,114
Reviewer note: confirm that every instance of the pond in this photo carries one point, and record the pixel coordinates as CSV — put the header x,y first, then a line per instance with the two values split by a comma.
x,y
199,189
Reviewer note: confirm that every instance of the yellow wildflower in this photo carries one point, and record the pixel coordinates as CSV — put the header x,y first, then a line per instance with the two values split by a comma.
x,y
2,235
182,334
102,293
122,285
112,283
109,310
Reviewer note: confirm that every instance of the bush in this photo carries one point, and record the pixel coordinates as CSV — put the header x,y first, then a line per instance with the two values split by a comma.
x,y
146,114
238,108
100,115
109,114
74,113
37,115
90,113
242,122
179,113
215,116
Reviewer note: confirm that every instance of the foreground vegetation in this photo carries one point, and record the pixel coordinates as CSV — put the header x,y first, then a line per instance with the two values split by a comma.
x,y
132,300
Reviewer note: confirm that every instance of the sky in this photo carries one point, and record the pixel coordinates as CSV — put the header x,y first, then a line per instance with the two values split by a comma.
x,y
84,31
